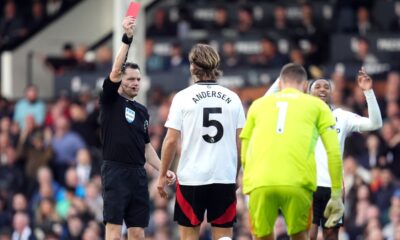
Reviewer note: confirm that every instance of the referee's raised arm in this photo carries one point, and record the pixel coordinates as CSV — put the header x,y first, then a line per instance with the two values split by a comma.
x,y
112,82
128,25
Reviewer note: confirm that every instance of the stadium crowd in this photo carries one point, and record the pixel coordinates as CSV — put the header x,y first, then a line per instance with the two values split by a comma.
x,y
19,19
50,153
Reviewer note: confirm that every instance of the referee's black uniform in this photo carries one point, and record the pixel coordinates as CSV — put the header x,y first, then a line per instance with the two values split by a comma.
x,y
124,131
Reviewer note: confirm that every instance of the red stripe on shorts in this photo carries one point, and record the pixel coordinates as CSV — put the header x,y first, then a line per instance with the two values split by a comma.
x,y
185,207
228,216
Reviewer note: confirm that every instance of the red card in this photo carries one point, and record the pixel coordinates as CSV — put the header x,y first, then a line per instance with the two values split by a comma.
x,y
133,9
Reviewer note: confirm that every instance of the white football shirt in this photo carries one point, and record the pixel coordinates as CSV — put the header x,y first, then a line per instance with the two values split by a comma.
x,y
207,115
347,122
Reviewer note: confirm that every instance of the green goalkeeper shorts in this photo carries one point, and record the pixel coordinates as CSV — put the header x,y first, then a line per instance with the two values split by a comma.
x,y
294,203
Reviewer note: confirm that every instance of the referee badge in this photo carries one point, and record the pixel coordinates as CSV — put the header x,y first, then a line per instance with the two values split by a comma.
x,y
129,115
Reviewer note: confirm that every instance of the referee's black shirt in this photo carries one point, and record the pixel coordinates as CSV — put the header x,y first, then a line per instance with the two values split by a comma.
x,y
124,126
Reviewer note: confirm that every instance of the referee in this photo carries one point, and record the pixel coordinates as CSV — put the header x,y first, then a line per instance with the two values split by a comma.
x,y
126,147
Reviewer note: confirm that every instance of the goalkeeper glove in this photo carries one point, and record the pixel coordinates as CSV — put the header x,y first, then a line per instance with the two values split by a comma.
x,y
334,209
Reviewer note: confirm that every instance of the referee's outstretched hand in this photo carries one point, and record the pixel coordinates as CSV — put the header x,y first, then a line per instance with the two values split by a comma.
x,y
129,24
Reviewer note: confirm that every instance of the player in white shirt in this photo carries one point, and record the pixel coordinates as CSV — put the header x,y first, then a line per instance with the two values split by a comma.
x,y
207,118
346,122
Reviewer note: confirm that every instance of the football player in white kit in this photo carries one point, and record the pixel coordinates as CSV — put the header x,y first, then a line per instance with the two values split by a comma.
x,y
346,122
207,118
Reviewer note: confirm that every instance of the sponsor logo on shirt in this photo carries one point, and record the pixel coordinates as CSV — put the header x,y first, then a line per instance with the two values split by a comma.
x,y
129,115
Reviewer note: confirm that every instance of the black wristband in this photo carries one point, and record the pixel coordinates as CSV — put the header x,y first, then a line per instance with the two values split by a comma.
x,y
126,39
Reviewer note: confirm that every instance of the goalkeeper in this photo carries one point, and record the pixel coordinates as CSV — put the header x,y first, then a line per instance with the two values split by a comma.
x,y
279,170
346,123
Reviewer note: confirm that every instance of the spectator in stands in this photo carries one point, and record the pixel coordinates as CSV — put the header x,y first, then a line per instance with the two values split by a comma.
x,y
297,56
37,16
230,59
45,180
59,64
27,132
22,230
221,19
154,62
161,27
58,109
45,191
391,140
269,57
184,23
103,58
81,62
84,166
35,154
19,203
11,176
374,151
392,88
83,124
392,109
245,20
66,205
73,230
10,128
354,175
375,234
11,25
362,54
311,35
389,229
308,23
30,105
94,200
46,218
72,182
364,23
66,144
159,221
155,98
384,194
279,24
177,59
90,234
358,220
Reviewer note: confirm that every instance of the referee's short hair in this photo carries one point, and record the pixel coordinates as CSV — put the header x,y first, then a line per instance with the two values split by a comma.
x,y
294,73
129,65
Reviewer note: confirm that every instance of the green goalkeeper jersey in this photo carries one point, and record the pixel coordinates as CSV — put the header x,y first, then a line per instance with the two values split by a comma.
x,y
279,140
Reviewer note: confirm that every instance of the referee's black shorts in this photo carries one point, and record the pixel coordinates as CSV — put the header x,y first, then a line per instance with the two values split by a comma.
x,y
218,199
125,194
320,200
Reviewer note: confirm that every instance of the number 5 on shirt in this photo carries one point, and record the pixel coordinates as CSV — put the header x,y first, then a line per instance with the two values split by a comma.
x,y
208,123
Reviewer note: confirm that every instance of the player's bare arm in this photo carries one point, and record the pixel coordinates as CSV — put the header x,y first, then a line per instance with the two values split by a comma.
x,y
168,152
